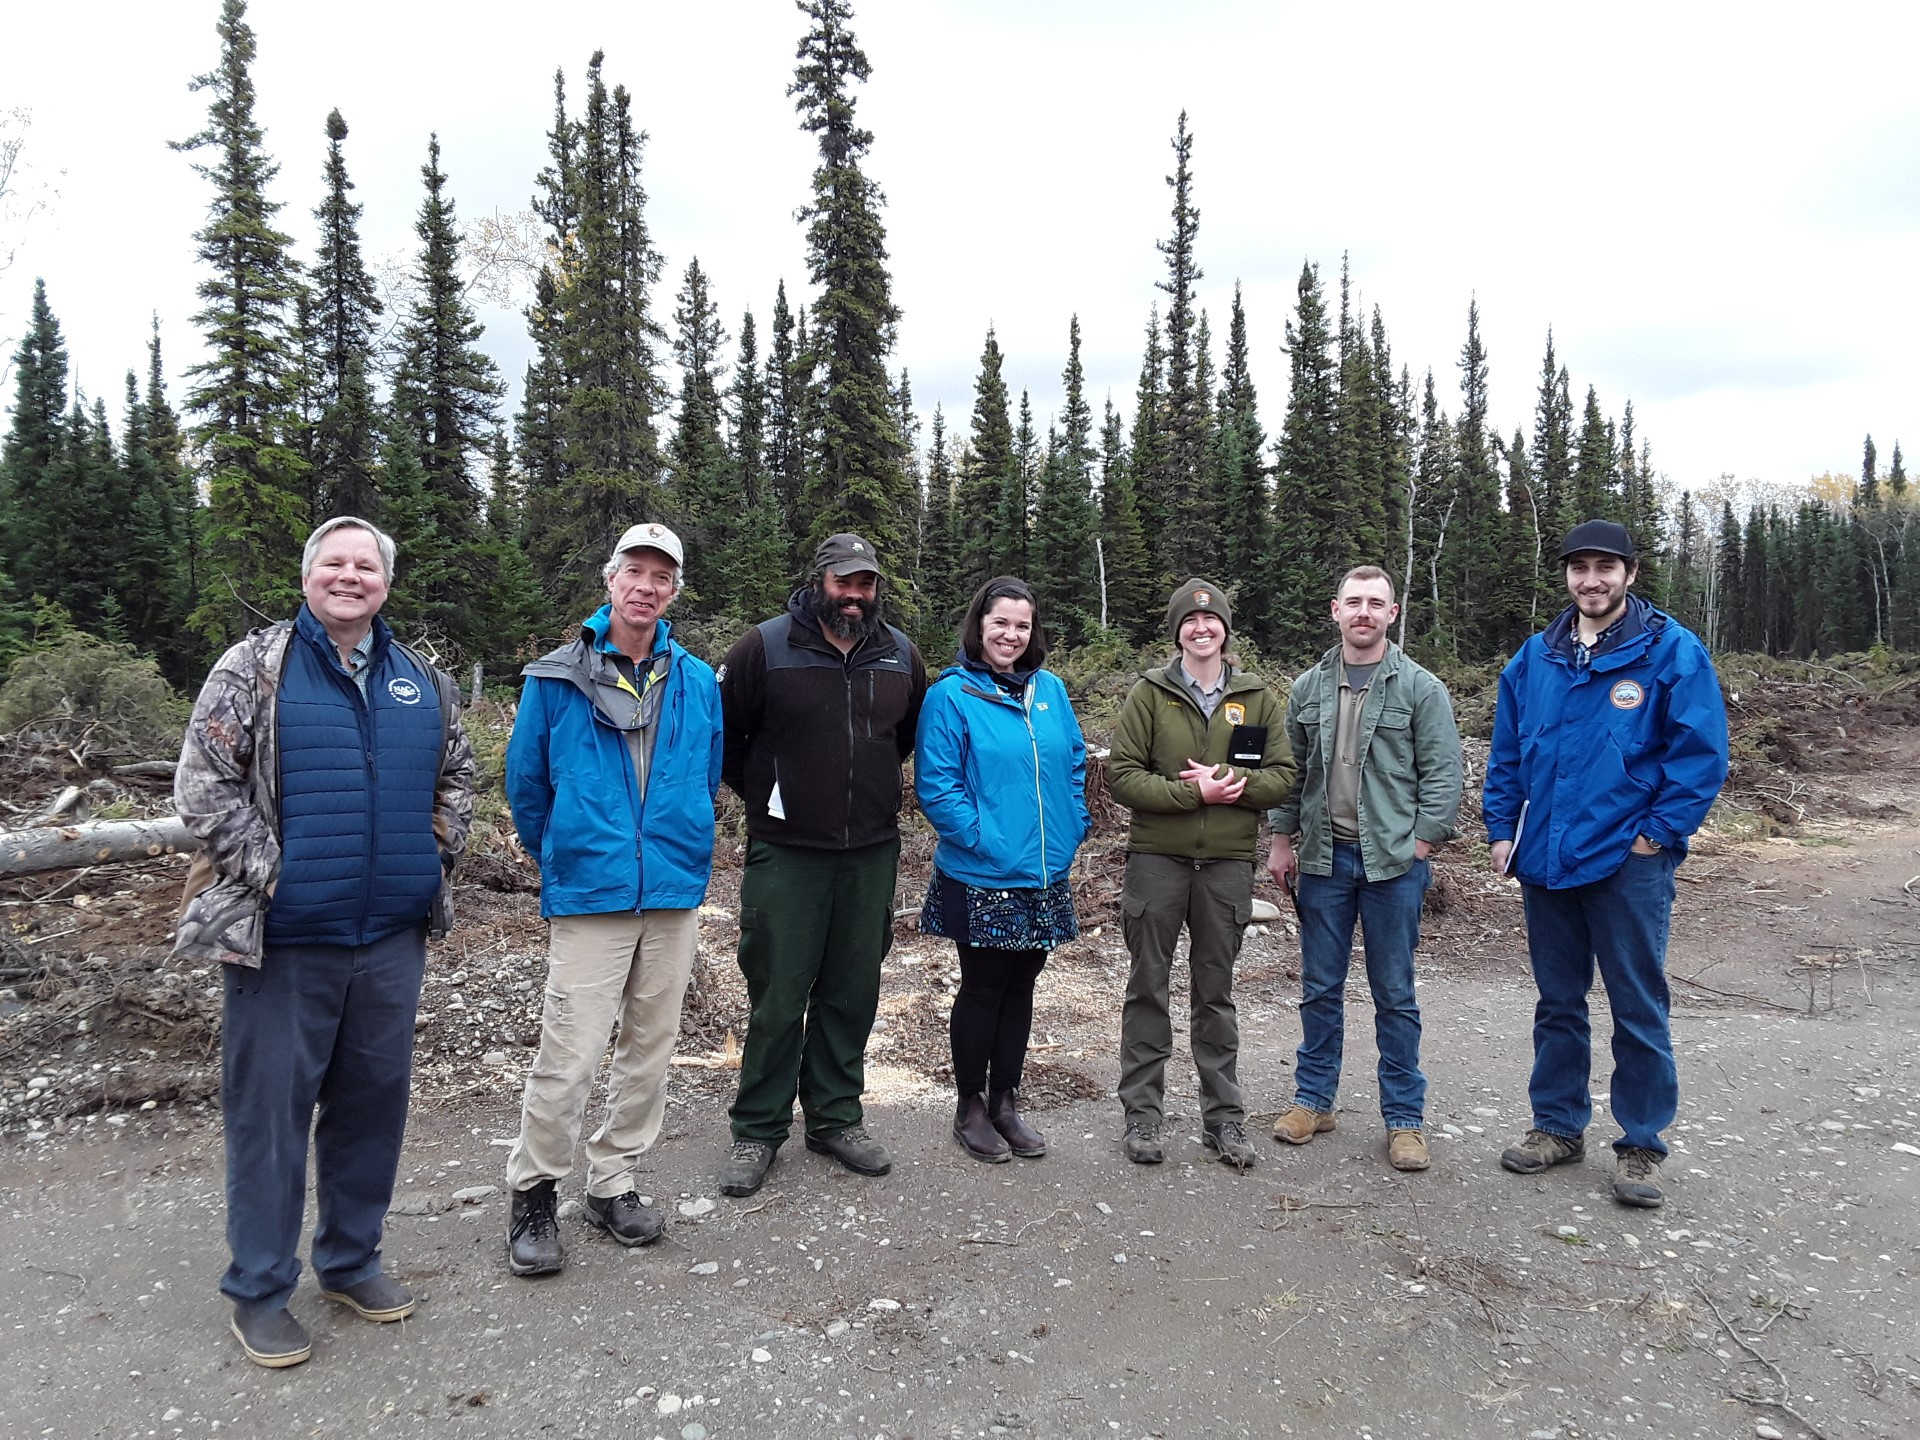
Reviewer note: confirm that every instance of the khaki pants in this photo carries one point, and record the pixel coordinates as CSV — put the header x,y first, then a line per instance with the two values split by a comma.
x,y
601,968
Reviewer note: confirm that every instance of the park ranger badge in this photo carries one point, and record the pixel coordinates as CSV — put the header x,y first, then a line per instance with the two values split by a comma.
x,y
1236,714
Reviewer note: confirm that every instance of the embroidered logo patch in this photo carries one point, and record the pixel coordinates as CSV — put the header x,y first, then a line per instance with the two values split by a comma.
x,y
1201,597
1627,695
403,690
1236,714
720,675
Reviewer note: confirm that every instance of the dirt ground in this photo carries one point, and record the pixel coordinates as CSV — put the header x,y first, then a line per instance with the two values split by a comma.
x,y
1320,1294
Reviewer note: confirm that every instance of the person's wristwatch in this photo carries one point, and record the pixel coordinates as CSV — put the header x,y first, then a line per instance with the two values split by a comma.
x,y
1653,846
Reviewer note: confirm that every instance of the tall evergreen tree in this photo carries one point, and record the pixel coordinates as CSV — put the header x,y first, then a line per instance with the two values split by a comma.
x,y
255,480
345,307
942,597
1478,559
858,482
702,478
30,543
1013,521
789,379
595,464
1318,546
755,559
1147,447
1245,511
147,578
988,470
1130,581
1066,525
1731,633
1187,535
1430,502
1593,496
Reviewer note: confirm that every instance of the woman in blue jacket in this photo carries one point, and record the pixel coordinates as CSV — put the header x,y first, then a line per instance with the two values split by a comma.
x,y
1000,769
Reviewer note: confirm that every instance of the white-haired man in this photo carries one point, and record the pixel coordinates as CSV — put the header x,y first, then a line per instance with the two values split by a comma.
x,y
611,774
327,779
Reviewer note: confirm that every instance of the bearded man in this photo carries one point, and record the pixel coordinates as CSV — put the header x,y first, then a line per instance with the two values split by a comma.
x,y
819,707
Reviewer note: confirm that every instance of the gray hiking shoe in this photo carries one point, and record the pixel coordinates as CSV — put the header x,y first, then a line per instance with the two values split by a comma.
x,y
1229,1140
745,1170
855,1149
1540,1150
1143,1142
1636,1179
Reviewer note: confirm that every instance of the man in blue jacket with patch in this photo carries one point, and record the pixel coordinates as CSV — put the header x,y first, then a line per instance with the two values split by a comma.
x,y
1609,746
611,774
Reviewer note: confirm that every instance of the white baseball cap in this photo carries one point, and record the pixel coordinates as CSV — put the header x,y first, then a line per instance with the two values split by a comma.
x,y
653,537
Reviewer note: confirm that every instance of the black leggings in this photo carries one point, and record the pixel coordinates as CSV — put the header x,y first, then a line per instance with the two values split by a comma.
x,y
992,1016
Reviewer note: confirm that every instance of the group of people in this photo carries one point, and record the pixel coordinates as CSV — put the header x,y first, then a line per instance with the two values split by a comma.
x,y
328,779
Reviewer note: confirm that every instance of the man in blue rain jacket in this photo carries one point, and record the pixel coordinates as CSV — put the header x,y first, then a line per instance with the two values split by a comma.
x,y
611,773
1609,746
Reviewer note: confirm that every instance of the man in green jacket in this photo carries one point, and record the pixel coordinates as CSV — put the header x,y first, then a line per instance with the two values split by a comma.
x,y
1198,753
1379,759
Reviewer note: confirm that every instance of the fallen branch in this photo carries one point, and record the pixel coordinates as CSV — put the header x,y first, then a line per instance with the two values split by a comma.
x,y
1738,995
1763,1401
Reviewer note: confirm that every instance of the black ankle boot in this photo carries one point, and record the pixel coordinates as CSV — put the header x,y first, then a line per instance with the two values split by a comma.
x,y
1022,1138
973,1129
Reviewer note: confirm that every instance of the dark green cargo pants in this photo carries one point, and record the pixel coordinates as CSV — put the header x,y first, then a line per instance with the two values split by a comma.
x,y
1213,900
814,926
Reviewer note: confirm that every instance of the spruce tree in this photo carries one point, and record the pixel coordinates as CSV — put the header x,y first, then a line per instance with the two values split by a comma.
x,y
30,545
1730,633
697,461
988,470
1065,527
255,480
1431,502
147,575
1393,419
1186,537
1245,512
1130,588
1593,496
164,444
858,482
1147,445
1524,551
345,307
591,447
1482,607
789,378
1013,518
942,598
1359,460
1315,544
755,561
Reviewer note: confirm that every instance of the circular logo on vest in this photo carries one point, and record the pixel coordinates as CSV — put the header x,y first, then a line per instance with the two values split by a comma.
x,y
1627,695
408,693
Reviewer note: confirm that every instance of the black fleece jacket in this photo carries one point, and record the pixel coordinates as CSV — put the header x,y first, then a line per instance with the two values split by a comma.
x,y
830,731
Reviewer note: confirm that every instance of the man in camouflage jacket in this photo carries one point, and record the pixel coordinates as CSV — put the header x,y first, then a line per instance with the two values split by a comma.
x,y
330,785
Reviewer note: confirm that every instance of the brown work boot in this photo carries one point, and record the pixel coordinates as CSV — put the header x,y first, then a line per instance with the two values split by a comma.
x,y
1407,1150
1636,1179
1297,1124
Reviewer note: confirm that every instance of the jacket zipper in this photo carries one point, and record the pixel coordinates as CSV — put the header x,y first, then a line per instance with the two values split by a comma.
x,y
1039,800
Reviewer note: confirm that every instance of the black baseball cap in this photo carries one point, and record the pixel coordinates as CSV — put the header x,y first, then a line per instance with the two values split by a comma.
x,y
1602,537
845,555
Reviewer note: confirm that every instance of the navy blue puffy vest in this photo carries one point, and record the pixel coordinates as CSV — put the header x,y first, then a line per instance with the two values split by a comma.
x,y
357,780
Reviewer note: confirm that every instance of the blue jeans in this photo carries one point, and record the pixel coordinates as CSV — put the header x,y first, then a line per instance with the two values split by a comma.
x,y
1620,922
1389,916
319,1036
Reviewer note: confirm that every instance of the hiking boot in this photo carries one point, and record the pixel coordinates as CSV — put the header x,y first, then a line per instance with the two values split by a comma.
x,y
855,1149
1025,1141
1636,1179
534,1246
625,1218
270,1336
1407,1149
1229,1138
973,1129
1539,1150
379,1298
1297,1124
746,1167
1143,1142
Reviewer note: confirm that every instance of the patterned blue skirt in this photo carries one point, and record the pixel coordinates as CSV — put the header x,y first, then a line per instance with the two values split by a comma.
x,y
999,919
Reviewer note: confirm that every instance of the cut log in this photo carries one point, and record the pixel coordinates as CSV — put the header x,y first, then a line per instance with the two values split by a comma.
x,y
67,847
146,770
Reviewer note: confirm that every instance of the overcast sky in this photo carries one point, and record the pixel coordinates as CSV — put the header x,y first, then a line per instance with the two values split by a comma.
x,y
1714,207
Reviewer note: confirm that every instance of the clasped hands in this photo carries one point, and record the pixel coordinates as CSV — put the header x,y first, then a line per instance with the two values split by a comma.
x,y
1213,789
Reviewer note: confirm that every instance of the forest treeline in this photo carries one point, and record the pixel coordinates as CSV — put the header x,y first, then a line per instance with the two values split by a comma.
x,y
176,527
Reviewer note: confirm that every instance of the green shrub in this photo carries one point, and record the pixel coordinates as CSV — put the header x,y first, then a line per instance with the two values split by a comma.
x,y
93,695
